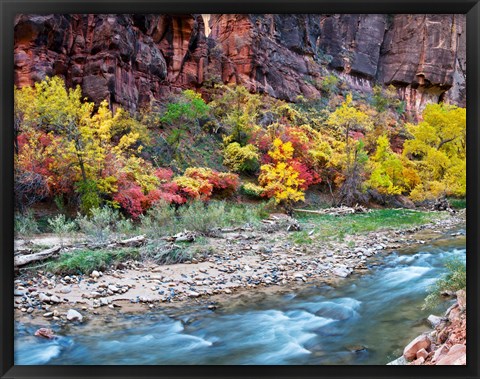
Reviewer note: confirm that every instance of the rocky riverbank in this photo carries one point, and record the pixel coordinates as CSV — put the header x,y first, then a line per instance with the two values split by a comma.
x,y
242,260
446,344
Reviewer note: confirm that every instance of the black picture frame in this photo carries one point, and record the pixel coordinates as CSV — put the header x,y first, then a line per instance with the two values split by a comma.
x,y
8,8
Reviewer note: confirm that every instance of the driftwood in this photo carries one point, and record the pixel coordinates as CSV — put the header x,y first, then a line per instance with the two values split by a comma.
x,y
133,242
22,260
181,237
336,211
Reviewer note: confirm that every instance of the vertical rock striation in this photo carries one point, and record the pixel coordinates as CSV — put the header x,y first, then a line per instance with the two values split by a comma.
x,y
133,59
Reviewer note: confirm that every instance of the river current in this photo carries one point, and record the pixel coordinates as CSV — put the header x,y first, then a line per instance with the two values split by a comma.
x,y
365,319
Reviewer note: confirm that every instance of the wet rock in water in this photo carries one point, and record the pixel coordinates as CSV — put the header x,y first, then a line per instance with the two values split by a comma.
x,y
335,311
73,315
45,333
48,314
193,294
434,321
421,342
357,348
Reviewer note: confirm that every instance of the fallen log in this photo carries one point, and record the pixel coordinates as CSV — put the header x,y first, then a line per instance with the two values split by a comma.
x,y
133,242
185,236
22,260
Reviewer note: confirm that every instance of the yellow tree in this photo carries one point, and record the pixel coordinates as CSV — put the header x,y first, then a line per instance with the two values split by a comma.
x,y
438,149
387,169
280,179
87,142
346,120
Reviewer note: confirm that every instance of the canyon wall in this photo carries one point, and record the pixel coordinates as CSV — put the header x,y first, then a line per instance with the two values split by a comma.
x,y
131,60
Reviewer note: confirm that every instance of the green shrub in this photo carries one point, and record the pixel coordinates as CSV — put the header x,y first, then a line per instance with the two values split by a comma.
x,y
458,203
89,196
453,280
329,84
26,224
101,225
60,225
159,220
201,217
241,158
252,190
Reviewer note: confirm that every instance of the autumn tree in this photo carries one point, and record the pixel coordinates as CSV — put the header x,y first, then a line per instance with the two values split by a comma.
x,y
83,146
282,179
386,169
349,124
438,151
238,110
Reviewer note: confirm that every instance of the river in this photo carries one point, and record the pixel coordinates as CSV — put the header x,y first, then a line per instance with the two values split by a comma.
x,y
365,319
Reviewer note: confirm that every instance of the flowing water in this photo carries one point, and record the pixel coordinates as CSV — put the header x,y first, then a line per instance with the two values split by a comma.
x,y
365,319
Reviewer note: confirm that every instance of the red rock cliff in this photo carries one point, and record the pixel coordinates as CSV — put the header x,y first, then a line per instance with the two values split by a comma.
x,y
133,59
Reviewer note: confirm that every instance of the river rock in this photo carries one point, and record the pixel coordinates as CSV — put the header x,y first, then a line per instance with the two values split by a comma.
x,y
421,342
55,299
434,320
461,299
422,353
113,288
43,298
45,333
95,274
73,315
455,356
18,293
342,271
398,362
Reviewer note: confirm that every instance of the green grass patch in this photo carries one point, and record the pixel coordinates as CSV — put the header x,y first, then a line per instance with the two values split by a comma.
x,y
458,203
338,227
85,261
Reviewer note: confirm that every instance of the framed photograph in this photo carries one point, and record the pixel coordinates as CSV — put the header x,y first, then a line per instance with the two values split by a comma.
x,y
264,189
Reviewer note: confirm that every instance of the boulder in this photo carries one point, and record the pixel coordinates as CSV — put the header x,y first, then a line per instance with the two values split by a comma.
x,y
434,321
455,356
419,343
45,333
73,315
342,271
462,299
422,353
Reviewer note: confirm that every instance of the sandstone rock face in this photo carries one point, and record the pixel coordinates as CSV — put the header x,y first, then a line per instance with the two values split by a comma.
x,y
425,55
133,59
125,59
